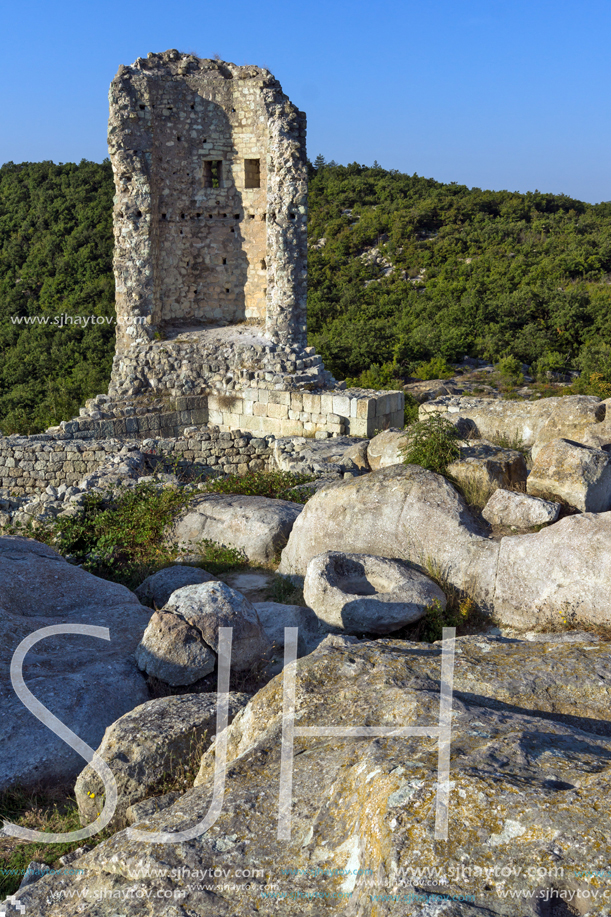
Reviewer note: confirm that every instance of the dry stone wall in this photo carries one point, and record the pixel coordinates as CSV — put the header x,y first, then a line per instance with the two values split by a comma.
x,y
30,464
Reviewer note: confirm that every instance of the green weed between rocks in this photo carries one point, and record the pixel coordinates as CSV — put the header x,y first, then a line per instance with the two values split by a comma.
x,y
43,810
120,536
281,485
432,444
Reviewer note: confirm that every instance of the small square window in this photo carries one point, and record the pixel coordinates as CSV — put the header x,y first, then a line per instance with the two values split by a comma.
x,y
212,173
252,173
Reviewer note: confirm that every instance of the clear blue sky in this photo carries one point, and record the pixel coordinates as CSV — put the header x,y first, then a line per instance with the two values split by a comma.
x,y
493,93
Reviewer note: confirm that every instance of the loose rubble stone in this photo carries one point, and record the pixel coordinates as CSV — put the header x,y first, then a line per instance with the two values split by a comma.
x,y
361,593
173,651
275,617
529,782
521,511
168,732
578,475
157,589
258,526
385,449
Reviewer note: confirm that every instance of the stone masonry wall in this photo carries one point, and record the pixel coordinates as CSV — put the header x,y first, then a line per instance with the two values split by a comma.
x,y
356,412
30,464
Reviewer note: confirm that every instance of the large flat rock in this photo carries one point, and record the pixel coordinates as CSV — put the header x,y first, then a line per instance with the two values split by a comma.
x,y
529,783
86,682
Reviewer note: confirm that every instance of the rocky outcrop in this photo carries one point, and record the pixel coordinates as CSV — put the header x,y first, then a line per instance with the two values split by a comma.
x,y
575,474
528,423
559,574
401,512
258,526
487,467
87,682
529,782
170,731
364,594
518,510
157,589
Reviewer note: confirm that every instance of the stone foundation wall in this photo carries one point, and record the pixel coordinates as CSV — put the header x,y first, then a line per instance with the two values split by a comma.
x,y
356,412
30,464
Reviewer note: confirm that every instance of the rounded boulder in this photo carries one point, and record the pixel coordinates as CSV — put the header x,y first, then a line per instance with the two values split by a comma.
x,y
362,593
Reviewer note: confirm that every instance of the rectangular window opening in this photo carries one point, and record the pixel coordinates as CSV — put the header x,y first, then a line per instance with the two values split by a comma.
x,y
252,173
212,173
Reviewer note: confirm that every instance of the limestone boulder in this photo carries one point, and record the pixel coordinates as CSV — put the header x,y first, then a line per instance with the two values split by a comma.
x,y
518,510
157,589
180,645
562,573
258,526
576,474
358,454
385,449
528,423
170,731
87,682
362,593
402,512
527,808
487,467
173,651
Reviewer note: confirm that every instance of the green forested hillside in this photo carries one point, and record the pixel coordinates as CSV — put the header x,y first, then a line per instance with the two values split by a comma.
x,y
409,268
484,273
55,259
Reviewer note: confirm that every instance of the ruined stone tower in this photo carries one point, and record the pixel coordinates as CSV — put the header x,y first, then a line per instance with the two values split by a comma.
x,y
210,213
210,223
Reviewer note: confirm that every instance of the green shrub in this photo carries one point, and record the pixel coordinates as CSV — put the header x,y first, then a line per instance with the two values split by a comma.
x,y
510,370
550,362
432,444
282,485
436,368
120,537
382,378
410,413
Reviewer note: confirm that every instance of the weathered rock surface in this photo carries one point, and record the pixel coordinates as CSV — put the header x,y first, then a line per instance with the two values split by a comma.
x,y
148,743
529,784
87,682
180,645
361,593
489,466
259,526
214,605
173,650
385,449
521,511
157,589
576,474
275,617
401,512
561,572
529,423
